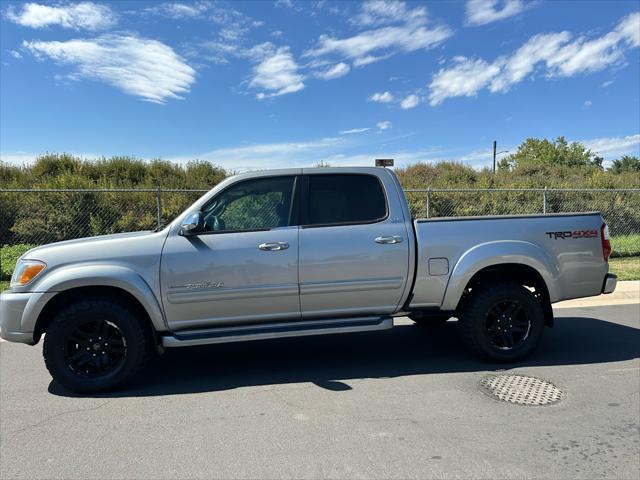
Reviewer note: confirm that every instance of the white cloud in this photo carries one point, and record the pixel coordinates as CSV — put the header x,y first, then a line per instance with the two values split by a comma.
x,y
275,71
523,62
381,97
256,53
234,24
354,130
230,39
367,59
83,15
613,147
215,52
463,79
331,58
336,71
178,10
380,43
607,83
358,48
476,158
334,150
270,155
15,54
380,126
594,55
277,74
481,12
380,12
284,3
587,103
410,101
230,34
555,54
142,67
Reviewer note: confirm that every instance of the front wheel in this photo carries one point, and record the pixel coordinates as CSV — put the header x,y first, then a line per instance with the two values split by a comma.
x,y
501,322
94,345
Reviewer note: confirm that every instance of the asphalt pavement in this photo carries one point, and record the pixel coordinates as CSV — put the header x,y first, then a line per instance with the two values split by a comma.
x,y
403,403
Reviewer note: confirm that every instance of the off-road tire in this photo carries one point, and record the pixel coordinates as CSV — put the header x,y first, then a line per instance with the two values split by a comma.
x,y
66,322
473,320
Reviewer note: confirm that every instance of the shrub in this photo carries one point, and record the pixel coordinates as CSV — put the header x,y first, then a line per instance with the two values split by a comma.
x,y
9,255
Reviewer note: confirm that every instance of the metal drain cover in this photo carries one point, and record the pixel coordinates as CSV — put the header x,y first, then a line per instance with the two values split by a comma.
x,y
521,389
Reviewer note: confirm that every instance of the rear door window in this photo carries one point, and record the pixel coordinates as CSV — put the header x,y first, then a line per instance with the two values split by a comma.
x,y
343,199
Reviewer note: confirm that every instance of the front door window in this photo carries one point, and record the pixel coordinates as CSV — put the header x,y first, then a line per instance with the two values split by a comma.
x,y
260,204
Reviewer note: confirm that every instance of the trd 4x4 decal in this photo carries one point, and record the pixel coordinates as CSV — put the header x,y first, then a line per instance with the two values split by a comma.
x,y
574,234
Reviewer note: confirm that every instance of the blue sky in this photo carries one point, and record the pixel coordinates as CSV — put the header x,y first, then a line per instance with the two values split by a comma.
x,y
290,83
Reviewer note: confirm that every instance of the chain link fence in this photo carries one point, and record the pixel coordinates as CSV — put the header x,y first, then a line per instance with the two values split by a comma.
x,y
36,217
619,207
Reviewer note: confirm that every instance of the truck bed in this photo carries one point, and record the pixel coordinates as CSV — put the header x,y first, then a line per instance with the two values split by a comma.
x,y
564,248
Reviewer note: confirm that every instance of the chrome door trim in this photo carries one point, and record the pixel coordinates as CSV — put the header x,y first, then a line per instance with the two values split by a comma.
x,y
184,295
351,285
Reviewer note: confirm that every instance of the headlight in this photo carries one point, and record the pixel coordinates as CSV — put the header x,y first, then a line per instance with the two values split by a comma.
x,y
26,271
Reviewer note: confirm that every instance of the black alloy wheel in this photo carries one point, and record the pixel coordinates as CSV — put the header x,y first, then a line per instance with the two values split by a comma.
x,y
507,325
95,348
501,321
96,344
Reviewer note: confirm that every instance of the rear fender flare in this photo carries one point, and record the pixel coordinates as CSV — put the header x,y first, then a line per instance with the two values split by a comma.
x,y
493,254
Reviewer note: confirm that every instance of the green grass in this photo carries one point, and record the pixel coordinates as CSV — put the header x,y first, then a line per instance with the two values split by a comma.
x,y
627,268
625,246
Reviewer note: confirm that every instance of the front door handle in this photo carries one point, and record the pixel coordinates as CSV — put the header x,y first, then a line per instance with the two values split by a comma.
x,y
274,246
393,239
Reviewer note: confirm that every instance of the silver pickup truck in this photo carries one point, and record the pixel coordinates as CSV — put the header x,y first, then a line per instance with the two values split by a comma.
x,y
298,252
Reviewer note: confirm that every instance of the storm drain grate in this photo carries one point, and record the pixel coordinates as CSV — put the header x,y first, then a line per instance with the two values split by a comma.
x,y
521,389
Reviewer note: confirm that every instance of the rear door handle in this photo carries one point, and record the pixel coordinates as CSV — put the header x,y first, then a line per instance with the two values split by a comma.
x,y
273,246
393,239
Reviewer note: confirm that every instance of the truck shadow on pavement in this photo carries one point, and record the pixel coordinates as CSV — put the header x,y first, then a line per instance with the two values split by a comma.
x,y
330,361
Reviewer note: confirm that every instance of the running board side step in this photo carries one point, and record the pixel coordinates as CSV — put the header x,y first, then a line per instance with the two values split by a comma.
x,y
275,330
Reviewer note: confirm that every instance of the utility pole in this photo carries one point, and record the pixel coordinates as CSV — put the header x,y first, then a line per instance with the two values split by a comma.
x,y
495,146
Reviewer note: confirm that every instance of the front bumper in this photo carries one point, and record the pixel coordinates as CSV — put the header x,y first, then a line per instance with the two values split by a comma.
x,y
610,282
18,315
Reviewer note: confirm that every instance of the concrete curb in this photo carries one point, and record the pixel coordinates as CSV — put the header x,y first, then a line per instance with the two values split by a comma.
x,y
625,293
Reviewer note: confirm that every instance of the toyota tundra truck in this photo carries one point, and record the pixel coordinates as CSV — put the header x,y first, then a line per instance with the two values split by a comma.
x,y
296,252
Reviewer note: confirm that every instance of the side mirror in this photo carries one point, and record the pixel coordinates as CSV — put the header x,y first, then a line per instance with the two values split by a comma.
x,y
192,224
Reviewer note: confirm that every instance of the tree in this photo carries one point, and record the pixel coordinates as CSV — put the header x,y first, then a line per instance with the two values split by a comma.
x,y
534,154
626,163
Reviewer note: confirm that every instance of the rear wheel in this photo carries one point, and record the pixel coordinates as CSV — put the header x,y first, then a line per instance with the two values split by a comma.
x,y
502,321
95,345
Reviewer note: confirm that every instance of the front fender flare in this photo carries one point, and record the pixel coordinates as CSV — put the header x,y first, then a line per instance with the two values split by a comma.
x,y
497,253
101,275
